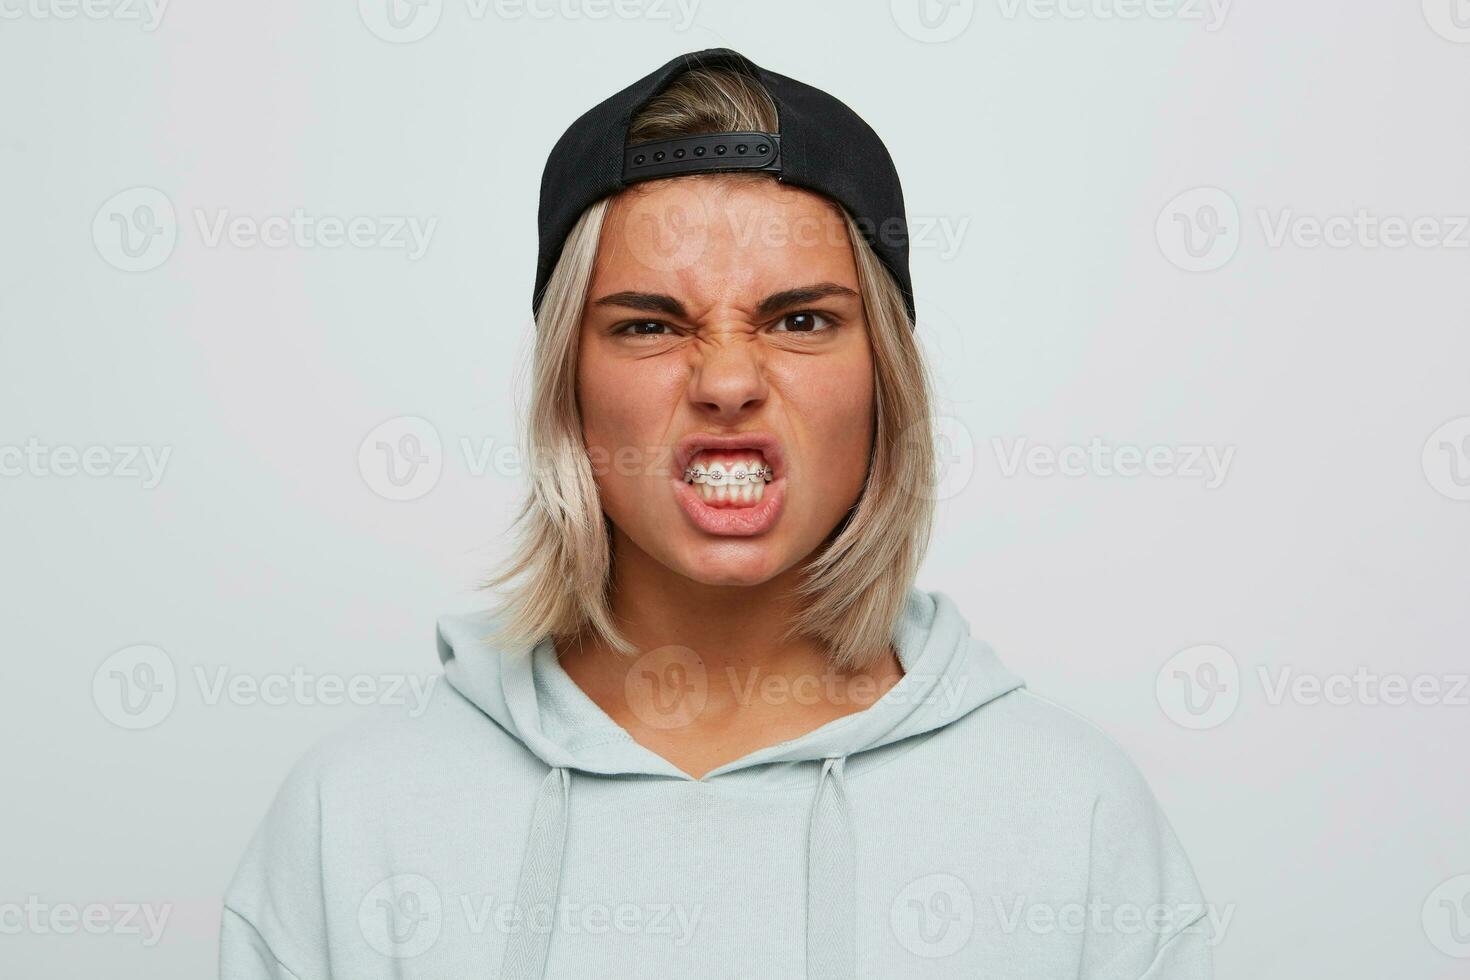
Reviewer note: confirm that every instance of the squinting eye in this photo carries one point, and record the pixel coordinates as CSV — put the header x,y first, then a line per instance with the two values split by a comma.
x,y
636,330
805,322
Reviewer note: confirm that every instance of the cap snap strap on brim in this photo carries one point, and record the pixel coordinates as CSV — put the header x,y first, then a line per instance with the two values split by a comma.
x,y
706,152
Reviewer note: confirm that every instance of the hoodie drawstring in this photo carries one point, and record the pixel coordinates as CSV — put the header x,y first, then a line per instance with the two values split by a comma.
x,y
525,950
831,927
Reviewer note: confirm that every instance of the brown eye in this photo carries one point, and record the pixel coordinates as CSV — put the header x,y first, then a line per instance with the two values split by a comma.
x,y
640,328
806,321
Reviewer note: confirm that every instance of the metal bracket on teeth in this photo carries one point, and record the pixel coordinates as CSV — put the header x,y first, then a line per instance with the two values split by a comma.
x,y
698,474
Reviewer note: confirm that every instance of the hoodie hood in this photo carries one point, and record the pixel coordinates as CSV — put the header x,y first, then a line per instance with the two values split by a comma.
x,y
947,675
479,837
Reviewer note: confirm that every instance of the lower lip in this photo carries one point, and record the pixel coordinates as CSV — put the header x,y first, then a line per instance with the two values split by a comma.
x,y
732,521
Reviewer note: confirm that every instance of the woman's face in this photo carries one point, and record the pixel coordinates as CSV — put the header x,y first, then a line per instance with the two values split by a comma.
x,y
725,308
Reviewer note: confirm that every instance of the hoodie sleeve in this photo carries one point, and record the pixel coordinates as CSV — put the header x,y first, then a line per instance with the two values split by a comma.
x,y
1147,919
272,926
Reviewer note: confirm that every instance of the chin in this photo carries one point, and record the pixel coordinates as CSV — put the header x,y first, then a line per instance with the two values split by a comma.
x,y
743,563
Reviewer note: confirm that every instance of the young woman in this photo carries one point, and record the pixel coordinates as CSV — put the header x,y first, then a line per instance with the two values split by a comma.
x,y
714,729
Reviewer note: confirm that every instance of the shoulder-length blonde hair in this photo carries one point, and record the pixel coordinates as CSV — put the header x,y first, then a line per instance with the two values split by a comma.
x,y
854,587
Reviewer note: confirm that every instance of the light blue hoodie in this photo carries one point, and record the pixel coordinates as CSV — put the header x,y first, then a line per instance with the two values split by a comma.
x,y
958,827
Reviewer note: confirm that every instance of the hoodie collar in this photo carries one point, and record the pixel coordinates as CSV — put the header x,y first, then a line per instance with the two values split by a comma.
x,y
947,674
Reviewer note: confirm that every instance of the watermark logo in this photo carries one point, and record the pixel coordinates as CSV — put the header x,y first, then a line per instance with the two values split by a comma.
x,y
1450,19
401,916
667,231
933,916
401,21
1199,687
1446,459
954,457
1446,917
136,229
401,459
932,21
1199,230
953,450
667,687
572,918
136,687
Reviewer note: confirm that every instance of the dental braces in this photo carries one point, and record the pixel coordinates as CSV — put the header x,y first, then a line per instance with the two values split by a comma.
x,y
717,478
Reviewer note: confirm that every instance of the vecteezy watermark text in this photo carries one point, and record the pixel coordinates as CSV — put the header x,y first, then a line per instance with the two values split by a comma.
x,y
1099,917
403,915
122,461
935,915
405,232
1363,229
407,21
148,13
37,917
1210,13
137,688
1097,458
1201,229
137,229
1201,687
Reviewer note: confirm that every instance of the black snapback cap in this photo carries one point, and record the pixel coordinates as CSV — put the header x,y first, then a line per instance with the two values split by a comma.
x,y
822,146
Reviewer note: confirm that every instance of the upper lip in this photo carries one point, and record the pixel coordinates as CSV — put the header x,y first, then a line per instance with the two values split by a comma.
x,y
769,447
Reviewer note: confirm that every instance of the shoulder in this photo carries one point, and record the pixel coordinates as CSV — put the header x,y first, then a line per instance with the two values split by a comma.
x,y
1048,743
368,781
429,737
1049,759
1058,762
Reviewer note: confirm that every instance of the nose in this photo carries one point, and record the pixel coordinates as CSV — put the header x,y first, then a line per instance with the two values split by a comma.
x,y
727,378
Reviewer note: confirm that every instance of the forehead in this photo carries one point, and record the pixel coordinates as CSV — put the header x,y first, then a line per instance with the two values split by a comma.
x,y
712,240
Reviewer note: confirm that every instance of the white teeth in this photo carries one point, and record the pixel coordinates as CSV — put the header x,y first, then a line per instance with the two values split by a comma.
x,y
748,494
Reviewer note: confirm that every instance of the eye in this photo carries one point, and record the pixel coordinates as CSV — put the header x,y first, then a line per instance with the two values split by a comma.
x,y
636,328
804,321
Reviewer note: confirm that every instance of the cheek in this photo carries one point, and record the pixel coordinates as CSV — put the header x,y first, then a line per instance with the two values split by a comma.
x,y
622,423
835,411
598,401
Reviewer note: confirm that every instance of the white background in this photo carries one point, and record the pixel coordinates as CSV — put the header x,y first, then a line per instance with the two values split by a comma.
x,y
1050,142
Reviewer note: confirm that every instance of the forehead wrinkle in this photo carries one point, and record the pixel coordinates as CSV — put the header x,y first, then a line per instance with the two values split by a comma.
x,y
737,273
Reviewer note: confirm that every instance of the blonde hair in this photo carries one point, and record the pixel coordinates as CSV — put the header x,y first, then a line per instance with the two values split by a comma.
x,y
856,584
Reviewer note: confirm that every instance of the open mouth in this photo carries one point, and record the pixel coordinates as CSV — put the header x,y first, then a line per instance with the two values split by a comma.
x,y
730,484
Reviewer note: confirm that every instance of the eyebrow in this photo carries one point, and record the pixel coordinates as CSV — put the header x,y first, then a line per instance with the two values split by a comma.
x,y
786,298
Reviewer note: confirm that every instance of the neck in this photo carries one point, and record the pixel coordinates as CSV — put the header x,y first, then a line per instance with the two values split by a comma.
x,y
712,679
